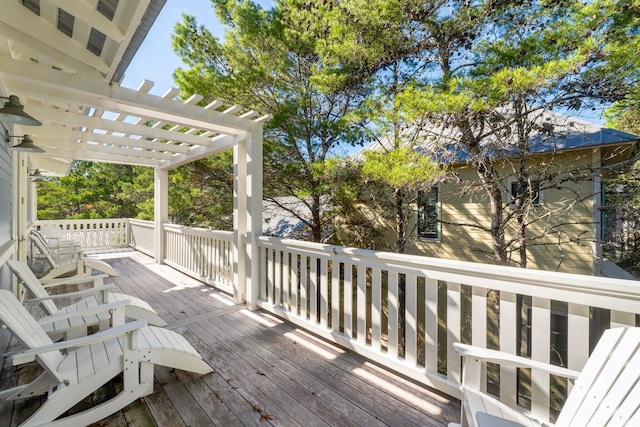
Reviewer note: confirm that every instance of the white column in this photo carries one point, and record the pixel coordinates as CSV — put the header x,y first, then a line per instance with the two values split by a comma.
x,y
22,203
240,221
254,204
160,212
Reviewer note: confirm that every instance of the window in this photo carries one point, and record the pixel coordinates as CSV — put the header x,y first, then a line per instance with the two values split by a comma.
x,y
428,215
516,189
108,8
32,5
65,22
96,42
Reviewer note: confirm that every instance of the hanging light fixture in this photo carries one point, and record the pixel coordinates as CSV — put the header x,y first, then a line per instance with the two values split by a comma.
x,y
36,176
13,112
26,145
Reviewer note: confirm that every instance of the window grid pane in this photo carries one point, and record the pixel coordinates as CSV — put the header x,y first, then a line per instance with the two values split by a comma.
x,y
96,42
108,8
428,214
32,5
65,22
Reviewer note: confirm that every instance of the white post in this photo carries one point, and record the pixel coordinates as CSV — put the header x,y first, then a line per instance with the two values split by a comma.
x,y
239,221
254,202
160,212
20,173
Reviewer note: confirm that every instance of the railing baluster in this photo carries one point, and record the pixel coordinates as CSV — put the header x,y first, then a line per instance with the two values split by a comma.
x,y
540,345
295,283
313,289
508,343
453,330
348,299
431,325
393,308
411,319
277,265
303,287
286,284
334,286
376,308
361,304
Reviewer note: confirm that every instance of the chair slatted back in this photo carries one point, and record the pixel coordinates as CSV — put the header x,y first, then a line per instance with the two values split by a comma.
x,y
608,389
25,328
44,249
33,285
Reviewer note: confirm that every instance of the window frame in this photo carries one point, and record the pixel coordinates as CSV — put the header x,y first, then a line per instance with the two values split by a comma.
x,y
436,236
510,190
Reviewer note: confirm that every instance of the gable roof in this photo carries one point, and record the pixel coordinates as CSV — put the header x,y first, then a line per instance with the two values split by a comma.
x,y
281,217
551,132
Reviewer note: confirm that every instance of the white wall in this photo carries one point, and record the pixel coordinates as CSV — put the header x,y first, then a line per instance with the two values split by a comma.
x,y
6,204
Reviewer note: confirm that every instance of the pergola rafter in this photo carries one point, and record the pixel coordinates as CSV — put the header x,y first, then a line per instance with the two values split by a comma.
x,y
88,119
67,75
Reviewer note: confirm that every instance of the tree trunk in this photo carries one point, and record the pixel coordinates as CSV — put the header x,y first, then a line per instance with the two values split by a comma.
x,y
400,222
316,224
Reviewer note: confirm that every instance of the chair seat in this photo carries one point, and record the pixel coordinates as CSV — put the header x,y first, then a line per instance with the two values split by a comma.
x,y
155,345
488,409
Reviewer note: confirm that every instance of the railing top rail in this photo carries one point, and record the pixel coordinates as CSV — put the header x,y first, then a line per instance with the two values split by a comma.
x,y
140,222
552,285
80,221
176,228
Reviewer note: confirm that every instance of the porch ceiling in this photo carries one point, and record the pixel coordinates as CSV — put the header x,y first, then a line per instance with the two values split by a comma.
x,y
73,89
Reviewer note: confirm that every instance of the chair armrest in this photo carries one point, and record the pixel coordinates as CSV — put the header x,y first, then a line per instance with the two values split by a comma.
x,y
504,358
84,312
75,294
29,355
75,280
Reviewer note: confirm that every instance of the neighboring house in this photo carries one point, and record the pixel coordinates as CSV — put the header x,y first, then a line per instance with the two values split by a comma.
x,y
567,219
287,217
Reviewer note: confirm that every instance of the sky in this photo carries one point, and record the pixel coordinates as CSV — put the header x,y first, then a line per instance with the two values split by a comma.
x,y
155,59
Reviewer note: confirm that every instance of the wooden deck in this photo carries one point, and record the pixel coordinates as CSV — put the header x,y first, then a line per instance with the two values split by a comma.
x,y
266,371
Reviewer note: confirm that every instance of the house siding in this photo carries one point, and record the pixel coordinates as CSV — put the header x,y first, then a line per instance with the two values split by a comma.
x,y
548,253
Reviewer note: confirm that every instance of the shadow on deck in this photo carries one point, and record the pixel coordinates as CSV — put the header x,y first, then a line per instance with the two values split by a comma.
x,y
266,371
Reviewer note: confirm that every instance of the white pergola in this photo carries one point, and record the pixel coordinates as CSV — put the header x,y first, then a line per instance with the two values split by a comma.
x,y
69,80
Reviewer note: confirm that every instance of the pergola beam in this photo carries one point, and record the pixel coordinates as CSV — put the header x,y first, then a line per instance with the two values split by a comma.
x,y
62,134
41,82
79,120
221,143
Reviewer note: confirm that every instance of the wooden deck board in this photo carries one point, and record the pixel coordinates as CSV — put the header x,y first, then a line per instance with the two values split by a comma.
x,y
267,372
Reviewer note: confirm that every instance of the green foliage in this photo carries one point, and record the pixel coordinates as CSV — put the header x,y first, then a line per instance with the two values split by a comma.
x,y
95,190
400,168
267,62
201,193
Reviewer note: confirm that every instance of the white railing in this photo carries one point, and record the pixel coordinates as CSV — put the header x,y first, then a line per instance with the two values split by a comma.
x,y
141,235
355,298
405,312
91,233
204,254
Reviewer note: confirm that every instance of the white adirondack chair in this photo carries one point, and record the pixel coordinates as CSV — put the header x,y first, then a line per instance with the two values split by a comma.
x,y
55,243
67,261
57,324
606,392
91,361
